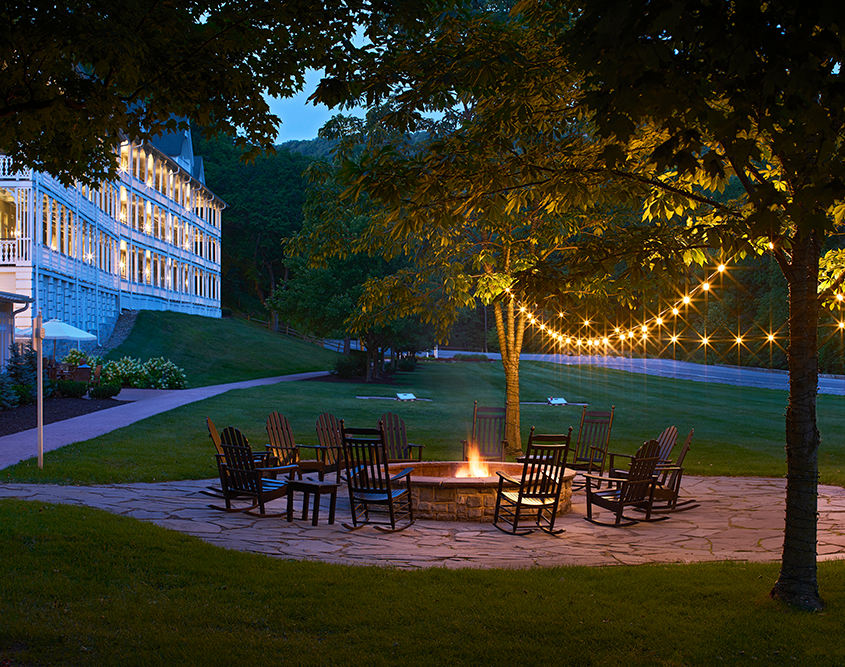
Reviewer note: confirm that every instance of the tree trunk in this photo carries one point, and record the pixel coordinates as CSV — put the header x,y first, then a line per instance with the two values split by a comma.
x,y
797,583
510,327
368,342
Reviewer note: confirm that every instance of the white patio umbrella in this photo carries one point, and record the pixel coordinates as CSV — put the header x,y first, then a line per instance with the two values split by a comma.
x,y
57,330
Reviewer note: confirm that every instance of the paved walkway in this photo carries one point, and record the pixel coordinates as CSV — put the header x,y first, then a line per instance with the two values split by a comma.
x,y
140,404
738,519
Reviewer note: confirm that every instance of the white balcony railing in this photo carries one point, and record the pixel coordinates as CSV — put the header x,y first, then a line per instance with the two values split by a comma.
x,y
8,251
7,171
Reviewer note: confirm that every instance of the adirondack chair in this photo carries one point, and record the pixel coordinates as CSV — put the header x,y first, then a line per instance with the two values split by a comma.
x,y
593,439
668,486
284,450
328,435
635,490
396,440
240,478
488,434
537,492
375,496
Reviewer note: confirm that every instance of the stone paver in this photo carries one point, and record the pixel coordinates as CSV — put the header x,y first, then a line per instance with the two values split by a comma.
x,y
738,519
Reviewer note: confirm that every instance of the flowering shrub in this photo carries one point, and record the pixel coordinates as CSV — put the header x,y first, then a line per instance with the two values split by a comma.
x,y
156,373
164,374
76,357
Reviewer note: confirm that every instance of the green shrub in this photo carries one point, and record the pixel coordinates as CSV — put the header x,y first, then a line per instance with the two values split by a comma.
x,y
407,364
471,357
8,396
22,368
100,391
352,366
24,393
71,388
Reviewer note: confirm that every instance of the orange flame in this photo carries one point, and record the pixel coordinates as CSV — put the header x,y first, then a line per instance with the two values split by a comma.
x,y
474,468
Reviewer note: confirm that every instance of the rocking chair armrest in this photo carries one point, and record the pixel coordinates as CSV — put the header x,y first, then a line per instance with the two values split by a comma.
x,y
419,449
400,475
505,477
280,469
320,451
602,478
612,456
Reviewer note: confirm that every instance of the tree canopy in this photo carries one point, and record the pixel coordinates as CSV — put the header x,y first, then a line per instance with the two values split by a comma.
x,y
666,102
78,76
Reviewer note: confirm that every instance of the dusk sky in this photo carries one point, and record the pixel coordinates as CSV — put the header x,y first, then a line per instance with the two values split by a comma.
x,y
300,118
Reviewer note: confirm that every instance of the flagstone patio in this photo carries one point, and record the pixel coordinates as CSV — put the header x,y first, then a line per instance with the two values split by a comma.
x,y
738,519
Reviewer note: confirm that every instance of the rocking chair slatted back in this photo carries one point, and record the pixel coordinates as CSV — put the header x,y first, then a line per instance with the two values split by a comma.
x,y
488,433
667,441
213,434
396,440
593,440
641,473
366,459
282,446
544,465
328,435
240,468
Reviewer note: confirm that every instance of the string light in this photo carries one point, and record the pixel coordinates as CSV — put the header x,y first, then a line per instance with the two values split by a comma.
x,y
643,329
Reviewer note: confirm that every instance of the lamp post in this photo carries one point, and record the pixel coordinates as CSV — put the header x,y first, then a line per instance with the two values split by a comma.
x,y
37,337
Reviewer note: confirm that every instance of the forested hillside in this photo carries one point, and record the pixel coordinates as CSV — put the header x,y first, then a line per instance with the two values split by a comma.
x,y
264,204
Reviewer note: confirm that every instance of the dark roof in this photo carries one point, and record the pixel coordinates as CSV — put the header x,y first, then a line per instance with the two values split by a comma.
x,y
169,143
15,298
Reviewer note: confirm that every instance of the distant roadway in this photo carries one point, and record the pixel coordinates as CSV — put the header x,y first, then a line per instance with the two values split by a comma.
x,y
681,370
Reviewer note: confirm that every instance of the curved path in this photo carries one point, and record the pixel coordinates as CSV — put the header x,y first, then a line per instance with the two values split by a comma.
x,y
738,519
140,404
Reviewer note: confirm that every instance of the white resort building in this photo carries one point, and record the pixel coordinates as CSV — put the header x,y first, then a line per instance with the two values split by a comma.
x,y
150,240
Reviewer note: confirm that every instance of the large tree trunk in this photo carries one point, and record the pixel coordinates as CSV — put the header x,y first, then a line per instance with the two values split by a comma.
x,y
797,583
510,327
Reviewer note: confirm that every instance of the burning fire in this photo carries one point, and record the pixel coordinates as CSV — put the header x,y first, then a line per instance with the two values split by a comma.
x,y
474,467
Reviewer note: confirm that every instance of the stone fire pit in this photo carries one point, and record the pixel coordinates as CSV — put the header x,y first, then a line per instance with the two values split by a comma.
x,y
437,494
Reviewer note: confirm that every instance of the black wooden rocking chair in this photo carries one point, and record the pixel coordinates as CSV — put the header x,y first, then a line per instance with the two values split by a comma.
x,y
376,497
537,493
593,439
634,490
668,486
240,478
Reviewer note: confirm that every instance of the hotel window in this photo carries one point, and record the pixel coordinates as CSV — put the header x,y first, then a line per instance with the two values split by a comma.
x,y
7,215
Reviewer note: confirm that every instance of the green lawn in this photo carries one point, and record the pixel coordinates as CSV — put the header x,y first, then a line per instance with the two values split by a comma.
x,y
216,351
738,431
83,587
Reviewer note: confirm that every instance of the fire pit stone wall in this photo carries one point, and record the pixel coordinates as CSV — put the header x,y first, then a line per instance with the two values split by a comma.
x,y
437,494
